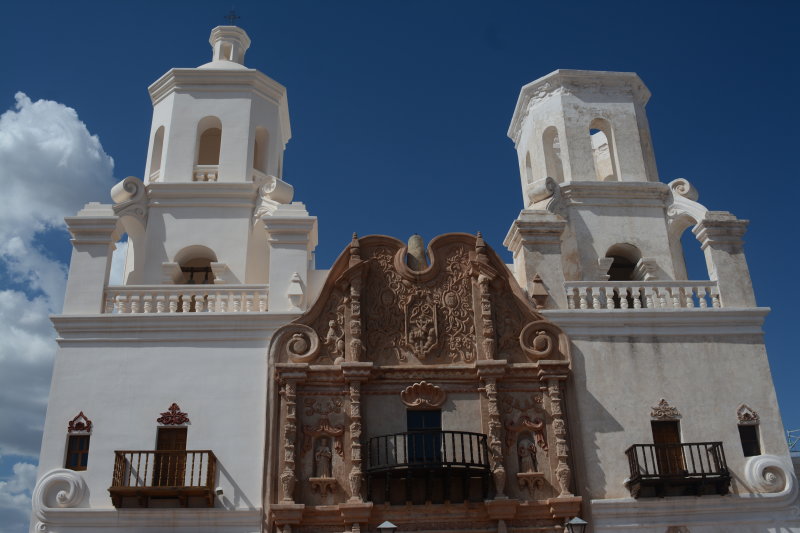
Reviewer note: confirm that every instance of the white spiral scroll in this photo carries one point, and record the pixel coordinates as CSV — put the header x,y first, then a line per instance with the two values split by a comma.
x,y
768,473
58,488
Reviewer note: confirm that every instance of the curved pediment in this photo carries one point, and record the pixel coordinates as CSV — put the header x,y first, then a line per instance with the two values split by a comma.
x,y
460,307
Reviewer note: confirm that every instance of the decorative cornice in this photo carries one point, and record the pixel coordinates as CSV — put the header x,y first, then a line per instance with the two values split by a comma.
x,y
247,80
566,81
205,194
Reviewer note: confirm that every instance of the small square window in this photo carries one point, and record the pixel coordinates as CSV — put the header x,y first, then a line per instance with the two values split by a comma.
x,y
77,452
750,444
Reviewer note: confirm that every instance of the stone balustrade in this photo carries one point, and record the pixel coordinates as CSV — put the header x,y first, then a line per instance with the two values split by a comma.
x,y
205,173
642,294
136,299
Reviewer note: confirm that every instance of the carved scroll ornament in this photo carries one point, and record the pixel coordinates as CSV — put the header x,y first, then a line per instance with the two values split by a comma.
x,y
423,395
664,411
543,340
173,416
79,424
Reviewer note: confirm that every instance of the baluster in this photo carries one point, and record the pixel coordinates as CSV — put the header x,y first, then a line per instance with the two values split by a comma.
x,y
675,292
187,303
595,298
715,303
662,297
212,303
122,304
109,304
623,297
649,300
701,297
248,305
134,303
570,298
199,302
222,300
609,297
262,302
636,292
689,296
237,302
582,295
147,303
173,303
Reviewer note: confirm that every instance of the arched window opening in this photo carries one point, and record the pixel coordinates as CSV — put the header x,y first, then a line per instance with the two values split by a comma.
x,y
120,258
155,155
603,150
197,272
261,149
226,51
208,152
552,154
528,169
623,268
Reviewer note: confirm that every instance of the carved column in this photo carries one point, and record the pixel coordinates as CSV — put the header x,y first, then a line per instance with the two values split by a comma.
x,y
563,472
489,372
356,283
489,343
288,475
354,374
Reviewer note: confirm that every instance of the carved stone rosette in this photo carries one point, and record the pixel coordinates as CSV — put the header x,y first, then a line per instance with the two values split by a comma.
x,y
563,472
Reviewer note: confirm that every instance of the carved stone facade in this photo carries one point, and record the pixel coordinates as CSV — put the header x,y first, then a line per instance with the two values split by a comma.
x,y
455,338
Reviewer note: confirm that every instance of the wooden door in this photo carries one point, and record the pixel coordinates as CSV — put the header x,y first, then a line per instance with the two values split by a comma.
x,y
424,436
169,462
669,452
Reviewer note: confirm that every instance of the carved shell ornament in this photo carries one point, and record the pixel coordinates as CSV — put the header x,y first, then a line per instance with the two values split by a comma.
x,y
423,395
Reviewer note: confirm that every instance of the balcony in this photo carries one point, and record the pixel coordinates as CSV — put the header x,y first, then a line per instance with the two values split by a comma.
x,y
163,478
642,294
134,299
427,466
659,470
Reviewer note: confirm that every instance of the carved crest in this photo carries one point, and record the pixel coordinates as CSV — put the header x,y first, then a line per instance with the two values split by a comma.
x,y
746,416
173,416
664,411
423,395
525,423
463,306
79,424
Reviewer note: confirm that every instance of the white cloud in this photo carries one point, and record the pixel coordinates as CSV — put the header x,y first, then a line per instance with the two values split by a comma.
x,y
50,166
15,498
118,263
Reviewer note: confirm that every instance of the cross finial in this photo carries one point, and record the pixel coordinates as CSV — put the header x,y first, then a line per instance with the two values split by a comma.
x,y
231,17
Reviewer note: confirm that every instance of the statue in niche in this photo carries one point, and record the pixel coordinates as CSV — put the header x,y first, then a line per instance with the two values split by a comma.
x,y
323,457
527,456
334,339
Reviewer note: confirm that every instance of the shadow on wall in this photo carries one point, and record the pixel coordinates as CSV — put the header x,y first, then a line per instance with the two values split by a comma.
x,y
238,498
599,420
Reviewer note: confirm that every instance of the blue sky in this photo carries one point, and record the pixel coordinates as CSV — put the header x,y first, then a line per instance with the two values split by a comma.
x,y
399,115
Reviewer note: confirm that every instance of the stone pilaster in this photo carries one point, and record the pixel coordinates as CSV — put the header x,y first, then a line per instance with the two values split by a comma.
x,y
94,232
354,374
292,237
489,372
720,235
535,241
290,376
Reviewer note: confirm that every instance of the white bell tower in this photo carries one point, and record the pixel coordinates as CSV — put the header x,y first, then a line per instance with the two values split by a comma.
x,y
219,122
580,125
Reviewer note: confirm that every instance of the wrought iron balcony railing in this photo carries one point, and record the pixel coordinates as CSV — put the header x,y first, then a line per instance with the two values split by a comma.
x,y
427,466
179,474
678,469
426,449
